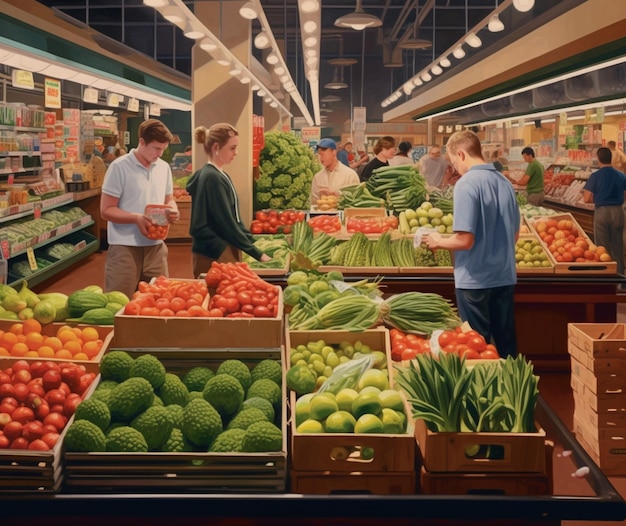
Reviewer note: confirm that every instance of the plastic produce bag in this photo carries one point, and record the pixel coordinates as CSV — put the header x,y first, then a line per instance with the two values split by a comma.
x,y
347,375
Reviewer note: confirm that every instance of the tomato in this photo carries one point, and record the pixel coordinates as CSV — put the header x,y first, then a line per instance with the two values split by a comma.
x,y
244,297
477,343
21,392
132,308
409,354
55,396
248,308
4,442
162,303
261,216
166,313
19,443
216,313
469,354
20,365
227,305
462,337
22,415
259,299
261,311
489,354
446,338
145,299
13,429
50,438
32,430
58,420
6,390
177,304
450,348
70,404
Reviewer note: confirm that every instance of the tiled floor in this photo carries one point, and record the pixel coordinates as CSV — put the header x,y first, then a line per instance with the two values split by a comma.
x,y
554,386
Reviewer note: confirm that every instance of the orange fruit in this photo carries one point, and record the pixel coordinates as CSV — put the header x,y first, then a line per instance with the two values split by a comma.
x,y
45,351
31,325
67,336
4,352
53,342
31,354
77,331
90,334
21,338
63,354
19,349
34,340
91,349
17,328
80,356
8,339
73,346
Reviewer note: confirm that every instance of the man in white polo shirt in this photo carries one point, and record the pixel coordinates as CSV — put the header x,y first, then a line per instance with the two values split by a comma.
x,y
132,182
334,175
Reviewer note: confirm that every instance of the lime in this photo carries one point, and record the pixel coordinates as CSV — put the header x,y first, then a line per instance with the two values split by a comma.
x,y
394,422
340,422
310,426
391,399
369,424
376,377
322,407
345,397
366,403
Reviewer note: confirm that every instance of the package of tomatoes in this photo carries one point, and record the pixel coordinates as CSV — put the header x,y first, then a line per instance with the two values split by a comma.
x,y
157,214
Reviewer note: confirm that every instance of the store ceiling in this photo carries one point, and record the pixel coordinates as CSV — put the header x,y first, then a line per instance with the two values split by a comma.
x,y
441,23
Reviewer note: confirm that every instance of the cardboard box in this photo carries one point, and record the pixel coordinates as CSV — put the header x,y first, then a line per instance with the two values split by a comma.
x,y
200,471
448,452
135,332
327,483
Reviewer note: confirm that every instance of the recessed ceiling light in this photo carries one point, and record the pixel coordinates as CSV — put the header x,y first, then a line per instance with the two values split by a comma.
x,y
248,11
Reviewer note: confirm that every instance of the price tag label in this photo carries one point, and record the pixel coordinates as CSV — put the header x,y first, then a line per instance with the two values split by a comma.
x,y
4,246
37,210
3,271
32,260
11,178
80,245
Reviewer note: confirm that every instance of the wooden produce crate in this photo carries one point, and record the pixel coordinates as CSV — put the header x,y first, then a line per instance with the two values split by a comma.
x,y
587,267
421,271
612,379
609,399
192,472
448,452
375,483
135,332
51,329
605,447
34,472
535,270
374,215
180,229
262,272
599,340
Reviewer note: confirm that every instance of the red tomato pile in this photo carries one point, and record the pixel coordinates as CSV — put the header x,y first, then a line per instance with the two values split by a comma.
x,y
169,297
407,346
469,344
37,399
566,243
158,231
275,222
371,225
240,293
325,223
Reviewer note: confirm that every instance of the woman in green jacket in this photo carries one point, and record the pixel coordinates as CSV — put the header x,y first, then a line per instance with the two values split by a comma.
x,y
216,229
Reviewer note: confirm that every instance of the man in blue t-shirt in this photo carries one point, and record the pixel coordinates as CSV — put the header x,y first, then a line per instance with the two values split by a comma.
x,y
486,227
605,188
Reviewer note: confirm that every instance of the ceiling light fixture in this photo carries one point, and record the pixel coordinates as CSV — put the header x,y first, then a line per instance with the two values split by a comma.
x,y
459,52
261,40
172,14
310,6
359,19
155,3
418,81
310,26
426,77
192,32
473,40
445,62
436,70
414,42
207,44
495,24
272,59
336,82
331,98
248,11
523,5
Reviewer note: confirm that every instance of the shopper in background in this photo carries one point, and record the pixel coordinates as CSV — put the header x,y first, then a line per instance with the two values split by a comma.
x,y
131,183
119,152
605,189
215,226
384,149
532,178
486,227
334,175
618,156
433,167
346,156
403,156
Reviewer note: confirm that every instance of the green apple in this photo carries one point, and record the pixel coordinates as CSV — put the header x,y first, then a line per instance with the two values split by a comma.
x,y
441,229
426,205
423,221
435,212
447,219
410,214
414,222
420,212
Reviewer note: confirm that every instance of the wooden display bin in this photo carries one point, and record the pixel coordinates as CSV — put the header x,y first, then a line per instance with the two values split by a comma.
x,y
604,446
192,472
599,340
561,267
326,483
535,270
135,332
447,452
180,229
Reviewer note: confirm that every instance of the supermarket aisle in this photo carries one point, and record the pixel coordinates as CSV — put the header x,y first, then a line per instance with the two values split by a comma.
x,y
554,386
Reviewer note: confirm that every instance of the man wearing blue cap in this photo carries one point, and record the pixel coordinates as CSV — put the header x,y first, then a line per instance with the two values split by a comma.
x,y
334,175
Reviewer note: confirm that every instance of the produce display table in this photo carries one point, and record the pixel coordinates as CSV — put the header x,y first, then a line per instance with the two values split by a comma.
x,y
544,305
598,500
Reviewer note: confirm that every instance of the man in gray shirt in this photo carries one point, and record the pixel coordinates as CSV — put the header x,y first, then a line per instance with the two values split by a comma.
x,y
433,167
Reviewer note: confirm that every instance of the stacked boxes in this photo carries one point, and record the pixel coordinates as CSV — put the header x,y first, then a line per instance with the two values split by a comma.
x,y
598,358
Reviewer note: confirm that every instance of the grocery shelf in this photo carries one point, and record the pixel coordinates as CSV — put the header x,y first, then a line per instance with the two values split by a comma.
x,y
91,246
18,211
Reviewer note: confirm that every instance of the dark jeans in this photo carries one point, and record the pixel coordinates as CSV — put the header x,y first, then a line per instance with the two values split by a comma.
x,y
491,313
